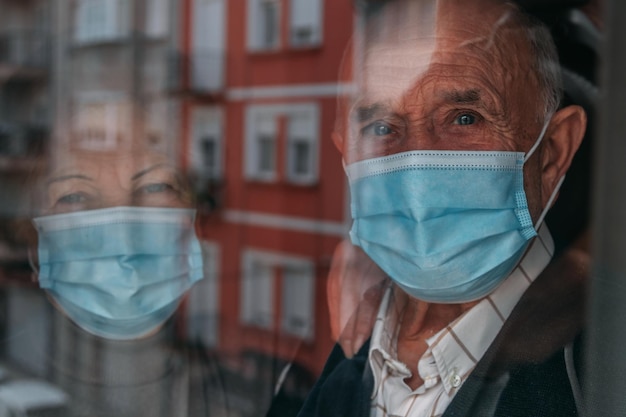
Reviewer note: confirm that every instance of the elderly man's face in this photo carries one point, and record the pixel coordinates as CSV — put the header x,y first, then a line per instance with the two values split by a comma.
x,y
446,75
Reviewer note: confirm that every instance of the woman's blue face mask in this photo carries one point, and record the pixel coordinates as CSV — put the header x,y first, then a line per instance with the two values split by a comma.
x,y
119,272
117,247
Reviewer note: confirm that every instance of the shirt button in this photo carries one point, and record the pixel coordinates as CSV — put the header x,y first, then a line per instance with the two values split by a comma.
x,y
455,381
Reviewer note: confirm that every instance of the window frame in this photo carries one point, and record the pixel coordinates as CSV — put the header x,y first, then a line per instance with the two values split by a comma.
x,y
114,19
201,117
317,37
311,177
254,113
157,23
278,263
256,30
251,294
286,323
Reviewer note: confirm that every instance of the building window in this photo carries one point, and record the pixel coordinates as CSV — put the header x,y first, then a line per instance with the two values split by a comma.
x,y
266,163
101,20
298,279
294,127
263,271
206,155
305,24
156,128
157,24
263,24
203,305
207,58
257,291
261,138
301,139
101,121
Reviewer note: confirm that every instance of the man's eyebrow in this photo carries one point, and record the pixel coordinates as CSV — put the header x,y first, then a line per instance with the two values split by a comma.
x,y
149,169
463,97
68,177
362,114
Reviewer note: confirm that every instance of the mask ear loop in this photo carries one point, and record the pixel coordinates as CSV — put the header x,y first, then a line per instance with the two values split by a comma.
x,y
550,201
558,185
538,141
34,275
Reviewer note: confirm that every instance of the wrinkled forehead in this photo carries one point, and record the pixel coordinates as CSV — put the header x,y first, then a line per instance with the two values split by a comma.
x,y
404,39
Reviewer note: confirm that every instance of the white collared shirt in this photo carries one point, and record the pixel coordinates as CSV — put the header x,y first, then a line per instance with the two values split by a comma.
x,y
454,351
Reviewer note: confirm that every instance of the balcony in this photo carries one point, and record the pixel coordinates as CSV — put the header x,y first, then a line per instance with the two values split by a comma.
x,y
24,54
198,74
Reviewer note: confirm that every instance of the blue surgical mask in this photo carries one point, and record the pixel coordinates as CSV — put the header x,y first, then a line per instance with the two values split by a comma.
x,y
446,226
119,272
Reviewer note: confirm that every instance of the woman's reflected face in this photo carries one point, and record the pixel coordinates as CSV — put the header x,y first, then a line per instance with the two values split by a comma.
x,y
87,180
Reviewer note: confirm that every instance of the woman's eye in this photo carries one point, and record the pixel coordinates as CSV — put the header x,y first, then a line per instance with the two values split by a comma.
x,y
156,188
465,119
74,198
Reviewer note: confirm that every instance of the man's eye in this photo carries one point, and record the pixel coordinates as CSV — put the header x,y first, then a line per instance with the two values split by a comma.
x,y
465,119
378,129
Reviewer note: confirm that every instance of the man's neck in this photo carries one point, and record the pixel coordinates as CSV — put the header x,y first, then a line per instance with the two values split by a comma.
x,y
420,321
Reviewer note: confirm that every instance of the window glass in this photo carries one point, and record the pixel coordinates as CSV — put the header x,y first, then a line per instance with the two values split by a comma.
x,y
208,46
264,24
257,307
207,207
207,143
298,296
157,23
261,144
101,20
302,145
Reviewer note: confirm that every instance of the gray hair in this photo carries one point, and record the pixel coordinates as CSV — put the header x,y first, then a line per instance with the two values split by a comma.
x,y
544,61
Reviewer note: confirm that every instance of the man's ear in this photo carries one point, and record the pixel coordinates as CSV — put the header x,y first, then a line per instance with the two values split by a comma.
x,y
562,140
338,141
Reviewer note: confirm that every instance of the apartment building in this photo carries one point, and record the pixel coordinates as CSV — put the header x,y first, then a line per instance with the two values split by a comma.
x,y
258,90
243,94
25,118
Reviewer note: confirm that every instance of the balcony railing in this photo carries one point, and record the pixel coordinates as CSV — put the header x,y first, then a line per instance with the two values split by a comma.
x,y
196,73
25,50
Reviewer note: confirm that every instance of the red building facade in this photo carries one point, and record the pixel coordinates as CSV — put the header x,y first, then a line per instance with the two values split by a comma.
x,y
258,89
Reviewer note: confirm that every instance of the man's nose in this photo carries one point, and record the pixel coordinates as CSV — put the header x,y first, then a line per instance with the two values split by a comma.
x,y
418,138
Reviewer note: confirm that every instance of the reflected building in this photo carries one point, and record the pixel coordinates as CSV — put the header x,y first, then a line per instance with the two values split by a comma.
x,y
257,81
26,117
243,94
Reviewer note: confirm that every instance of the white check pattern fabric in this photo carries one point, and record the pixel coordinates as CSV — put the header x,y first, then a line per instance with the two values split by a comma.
x,y
454,351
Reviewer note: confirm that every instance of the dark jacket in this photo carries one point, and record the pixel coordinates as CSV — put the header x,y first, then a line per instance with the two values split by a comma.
x,y
529,349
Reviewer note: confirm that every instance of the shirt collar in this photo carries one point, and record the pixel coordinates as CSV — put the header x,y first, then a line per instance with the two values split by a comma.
x,y
454,351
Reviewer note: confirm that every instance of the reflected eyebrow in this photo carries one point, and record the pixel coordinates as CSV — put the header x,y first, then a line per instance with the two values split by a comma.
x,y
364,113
68,177
463,97
150,169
